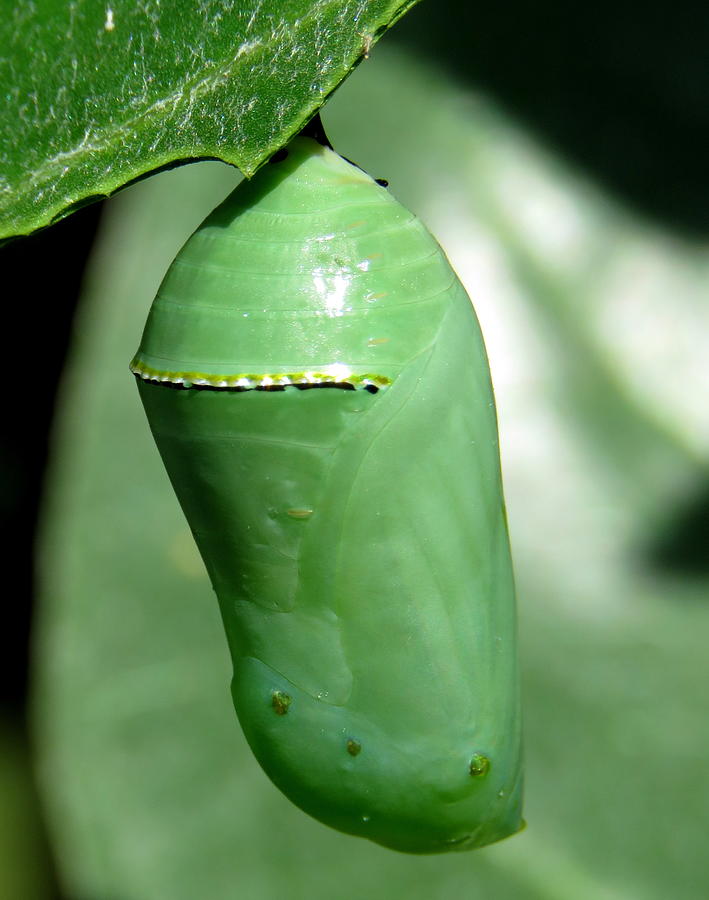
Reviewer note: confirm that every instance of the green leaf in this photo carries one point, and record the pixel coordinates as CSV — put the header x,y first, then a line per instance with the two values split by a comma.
x,y
96,95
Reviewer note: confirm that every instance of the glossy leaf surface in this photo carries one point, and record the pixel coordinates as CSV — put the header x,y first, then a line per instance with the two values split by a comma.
x,y
96,95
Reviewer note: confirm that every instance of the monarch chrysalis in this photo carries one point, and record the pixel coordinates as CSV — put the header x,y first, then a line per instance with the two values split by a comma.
x,y
356,536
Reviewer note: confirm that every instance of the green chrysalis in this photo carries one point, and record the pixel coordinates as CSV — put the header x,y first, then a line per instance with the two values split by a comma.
x,y
355,535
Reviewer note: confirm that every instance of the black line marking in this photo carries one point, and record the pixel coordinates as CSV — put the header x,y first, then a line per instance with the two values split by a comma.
x,y
273,388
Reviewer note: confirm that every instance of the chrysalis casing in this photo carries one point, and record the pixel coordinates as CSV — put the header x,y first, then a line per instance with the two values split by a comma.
x,y
317,385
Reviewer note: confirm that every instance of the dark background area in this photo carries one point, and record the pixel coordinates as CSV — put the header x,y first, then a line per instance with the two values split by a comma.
x,y
619,89
43,273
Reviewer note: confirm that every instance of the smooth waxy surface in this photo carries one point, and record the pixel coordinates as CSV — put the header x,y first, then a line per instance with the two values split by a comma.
x,y
308,265
357,541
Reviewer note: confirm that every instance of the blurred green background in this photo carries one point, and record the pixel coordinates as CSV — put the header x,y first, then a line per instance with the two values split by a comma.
x,y
594,308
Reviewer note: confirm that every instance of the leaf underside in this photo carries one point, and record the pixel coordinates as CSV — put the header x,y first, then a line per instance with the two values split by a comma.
x,y
100,95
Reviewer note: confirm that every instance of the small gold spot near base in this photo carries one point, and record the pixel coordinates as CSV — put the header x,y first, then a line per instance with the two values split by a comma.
x,y
280,701
299,513
479,765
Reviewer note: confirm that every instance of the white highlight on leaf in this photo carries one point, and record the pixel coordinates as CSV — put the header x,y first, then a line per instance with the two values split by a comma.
x,y
109,24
